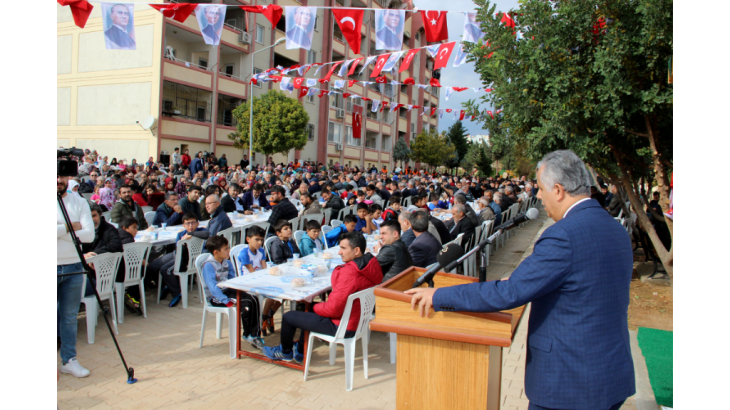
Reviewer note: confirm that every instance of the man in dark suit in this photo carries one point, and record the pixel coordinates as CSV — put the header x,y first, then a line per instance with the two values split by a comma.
x,y
462,224
116,36
405,192
407,235
443,231
196,165
392,253
283,209
388,38
212,15
255,199
425,247
333,202
231,202
299,35
578,352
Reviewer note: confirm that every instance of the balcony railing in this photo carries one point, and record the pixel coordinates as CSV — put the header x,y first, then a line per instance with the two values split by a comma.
x,y
170,55
186,102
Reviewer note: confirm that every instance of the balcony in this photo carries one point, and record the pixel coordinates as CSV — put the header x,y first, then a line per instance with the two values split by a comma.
x,y
182,101
225,108
187,57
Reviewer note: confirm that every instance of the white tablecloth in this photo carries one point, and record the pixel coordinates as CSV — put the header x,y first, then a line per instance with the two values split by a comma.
x,y
242,220
164,237
260,282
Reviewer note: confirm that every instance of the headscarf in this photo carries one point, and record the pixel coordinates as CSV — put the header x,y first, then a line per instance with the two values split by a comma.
x,y
71,185
107,197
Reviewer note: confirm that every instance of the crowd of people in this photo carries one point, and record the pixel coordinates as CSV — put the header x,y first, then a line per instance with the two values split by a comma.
x,y
205,188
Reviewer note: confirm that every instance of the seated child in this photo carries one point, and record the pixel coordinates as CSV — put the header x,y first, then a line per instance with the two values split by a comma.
x,y
364,219
375,211
361,198
218,268
311,242
333,237
393,210
280,249
252,257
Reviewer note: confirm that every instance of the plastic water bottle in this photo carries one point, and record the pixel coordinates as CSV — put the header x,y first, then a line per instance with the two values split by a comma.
x,y
164,225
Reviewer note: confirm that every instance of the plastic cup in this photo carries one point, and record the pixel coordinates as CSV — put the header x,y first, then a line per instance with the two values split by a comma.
x,y
164,225
296,256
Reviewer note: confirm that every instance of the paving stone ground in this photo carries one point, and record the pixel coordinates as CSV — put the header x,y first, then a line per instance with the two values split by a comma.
x,y
173,372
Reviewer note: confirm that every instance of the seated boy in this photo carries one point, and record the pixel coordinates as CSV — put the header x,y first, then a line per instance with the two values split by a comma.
x,y
364,219
360,271
127,231
333,237
166,264
310,242
375,211
280,249
252,258
361,198
393,210
216,269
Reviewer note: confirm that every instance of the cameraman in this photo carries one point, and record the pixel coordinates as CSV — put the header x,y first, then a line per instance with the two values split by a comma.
x,y
68,288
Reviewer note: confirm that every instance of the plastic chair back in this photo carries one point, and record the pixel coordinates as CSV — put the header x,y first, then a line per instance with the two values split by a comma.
x,y
228,234
198,263
195,247
267,244
107,216
335,223
298,238
146,209
367,303
149,217
135,257
294,223
311,217
234,257
327,216
87,195
106,266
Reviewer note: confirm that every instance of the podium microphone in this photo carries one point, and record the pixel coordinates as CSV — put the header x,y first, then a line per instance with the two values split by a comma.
x,y
448,254
518,220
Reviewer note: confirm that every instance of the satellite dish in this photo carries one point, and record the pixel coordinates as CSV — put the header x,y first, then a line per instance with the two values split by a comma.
x,y
148,122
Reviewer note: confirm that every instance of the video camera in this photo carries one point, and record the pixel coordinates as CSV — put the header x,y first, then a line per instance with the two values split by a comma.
x,y
67,167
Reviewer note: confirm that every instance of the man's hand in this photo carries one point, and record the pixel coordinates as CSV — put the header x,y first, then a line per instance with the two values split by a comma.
x,y
424,298
76,226
89,255
177,209
247,212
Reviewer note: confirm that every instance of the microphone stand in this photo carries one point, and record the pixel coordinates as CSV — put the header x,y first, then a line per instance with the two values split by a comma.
x,y
86,271
480,247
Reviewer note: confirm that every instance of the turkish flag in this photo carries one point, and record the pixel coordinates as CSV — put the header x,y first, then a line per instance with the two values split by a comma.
x,y
272,12
354,65
443,54
322,93
351,82
298,82
382,59
366,99
81,9
381,80
329,73
461,115
498,111
459,89
275,78
472,117
350,22
303,91
507,20
345,95
409,81
253,81
433,111
434,23
178,12
407,61
487,90
449,110
356,120
434,83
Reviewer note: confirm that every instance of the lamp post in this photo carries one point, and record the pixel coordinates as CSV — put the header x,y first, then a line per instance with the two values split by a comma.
x,y
250,114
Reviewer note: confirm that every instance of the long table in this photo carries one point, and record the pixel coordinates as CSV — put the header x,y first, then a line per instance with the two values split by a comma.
x,y
264,284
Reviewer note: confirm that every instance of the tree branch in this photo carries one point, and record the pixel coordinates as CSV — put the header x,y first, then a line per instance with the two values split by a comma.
x,y
636,133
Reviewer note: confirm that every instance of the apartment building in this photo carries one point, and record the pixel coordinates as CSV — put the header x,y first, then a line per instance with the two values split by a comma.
x,y
191,88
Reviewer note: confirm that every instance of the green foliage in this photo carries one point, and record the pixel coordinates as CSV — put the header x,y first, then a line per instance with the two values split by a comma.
x,y
457,136
279,126
432,149
401,152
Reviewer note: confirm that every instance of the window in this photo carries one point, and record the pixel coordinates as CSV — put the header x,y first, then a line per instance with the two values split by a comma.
x,y
228,70
418,37
337,32
281,25
386,143
200,114
371,141
310,132
310,98
311,56
404,89
316,23
413,136
334,133
258,71
369,114
388,90
348,106
356,142
232,23
413,128
402,112
186,102
336,100
166,105
363,45
203,63
260,34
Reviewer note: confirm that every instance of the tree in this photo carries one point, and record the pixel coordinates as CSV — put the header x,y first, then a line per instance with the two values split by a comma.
x,y
457,135
431,148
479,156
590,76
279,126
401,152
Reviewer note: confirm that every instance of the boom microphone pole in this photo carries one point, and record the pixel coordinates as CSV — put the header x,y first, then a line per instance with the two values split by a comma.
x,y
87,270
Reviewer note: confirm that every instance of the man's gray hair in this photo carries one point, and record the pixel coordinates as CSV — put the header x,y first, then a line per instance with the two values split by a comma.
x,y
215,197
170,194
498,197
402,184
406,216
484,201
565,168
460,208
508,189
460,198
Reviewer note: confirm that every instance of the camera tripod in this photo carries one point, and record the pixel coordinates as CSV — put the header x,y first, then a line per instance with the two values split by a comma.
x,y
87,270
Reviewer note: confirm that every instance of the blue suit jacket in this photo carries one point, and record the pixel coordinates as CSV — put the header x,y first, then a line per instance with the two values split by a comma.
x,y
577,278
248,201
196,165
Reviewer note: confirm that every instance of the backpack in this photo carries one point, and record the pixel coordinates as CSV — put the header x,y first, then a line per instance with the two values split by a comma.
x,y
389,214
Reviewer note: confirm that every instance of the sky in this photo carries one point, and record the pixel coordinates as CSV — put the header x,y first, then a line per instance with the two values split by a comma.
x,y
464,75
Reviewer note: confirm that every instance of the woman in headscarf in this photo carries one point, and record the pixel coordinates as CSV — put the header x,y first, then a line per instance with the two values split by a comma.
x,y
121,165
73,187
113,163
134,163
153,197
150,162
106,195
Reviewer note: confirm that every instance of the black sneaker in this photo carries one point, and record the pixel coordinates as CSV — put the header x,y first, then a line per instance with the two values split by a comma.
x,y
164,292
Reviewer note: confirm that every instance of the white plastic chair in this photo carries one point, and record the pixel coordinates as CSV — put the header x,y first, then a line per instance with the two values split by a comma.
x,y
207,307
486,232
244,229
229,233
367,303
335,223
195,247
311,217
136,256
87,195
267,244
149,217
107,216
295,223
106,266
146,209
298,238
234,258
327,216
470,264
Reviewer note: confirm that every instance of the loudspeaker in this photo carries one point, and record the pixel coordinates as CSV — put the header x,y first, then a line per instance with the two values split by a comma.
x,y
165,159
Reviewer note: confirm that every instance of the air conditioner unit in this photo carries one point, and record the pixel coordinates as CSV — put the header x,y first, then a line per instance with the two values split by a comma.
x,y
244,38
338,147
340,113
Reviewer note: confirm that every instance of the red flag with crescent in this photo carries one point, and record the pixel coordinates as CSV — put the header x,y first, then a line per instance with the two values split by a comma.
x,y
298,83
449,110
322,93
345,95
381,80
407,60
353,66
434,23
507,20
351,82
434,83
460,89
350,22
329,73
409,81
382,59
490,114
433,111
81,9
272,12
461,115
178,12
442,56
303,90
356,121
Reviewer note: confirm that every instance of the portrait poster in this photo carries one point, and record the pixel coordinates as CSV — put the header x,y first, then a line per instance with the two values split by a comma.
x,y
210,20
472,32
118,24
299,26
389,29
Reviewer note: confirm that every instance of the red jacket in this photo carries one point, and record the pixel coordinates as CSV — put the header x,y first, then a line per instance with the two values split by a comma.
x,y
185,160
352,277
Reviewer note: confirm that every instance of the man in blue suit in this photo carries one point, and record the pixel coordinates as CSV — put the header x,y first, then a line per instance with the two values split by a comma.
x,y
196,165
577,278
255,199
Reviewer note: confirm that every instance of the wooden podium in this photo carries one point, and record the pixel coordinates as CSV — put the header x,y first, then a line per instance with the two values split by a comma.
x,y
448,359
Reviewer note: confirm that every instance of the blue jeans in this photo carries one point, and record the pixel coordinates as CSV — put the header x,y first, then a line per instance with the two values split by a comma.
x,y
68,294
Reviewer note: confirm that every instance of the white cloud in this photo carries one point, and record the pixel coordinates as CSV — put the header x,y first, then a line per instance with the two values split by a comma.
x,y
464,75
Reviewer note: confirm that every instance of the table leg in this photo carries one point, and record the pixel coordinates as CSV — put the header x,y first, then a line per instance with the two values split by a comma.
x,y
238,325
305,336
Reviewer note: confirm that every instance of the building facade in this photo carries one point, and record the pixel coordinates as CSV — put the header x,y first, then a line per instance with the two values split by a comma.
x,y
191,88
